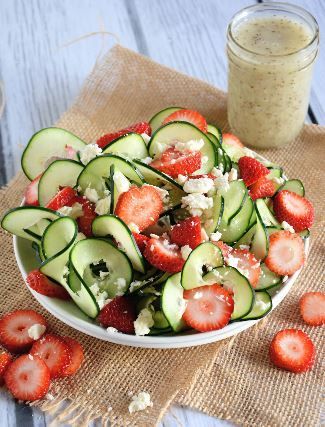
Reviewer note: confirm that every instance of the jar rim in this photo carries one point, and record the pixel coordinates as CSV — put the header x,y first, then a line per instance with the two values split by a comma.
x,y
276,6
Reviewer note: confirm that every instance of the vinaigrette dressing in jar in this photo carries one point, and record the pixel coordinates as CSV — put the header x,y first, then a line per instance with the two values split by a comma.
x,y
271,51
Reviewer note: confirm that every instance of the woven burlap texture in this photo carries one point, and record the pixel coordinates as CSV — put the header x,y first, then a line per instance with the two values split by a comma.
x,y
232,379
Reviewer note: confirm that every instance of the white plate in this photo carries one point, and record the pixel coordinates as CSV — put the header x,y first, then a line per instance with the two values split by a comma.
x,y
69,313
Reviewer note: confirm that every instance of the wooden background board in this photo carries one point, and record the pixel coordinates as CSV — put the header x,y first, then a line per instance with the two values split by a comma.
x,y
41,78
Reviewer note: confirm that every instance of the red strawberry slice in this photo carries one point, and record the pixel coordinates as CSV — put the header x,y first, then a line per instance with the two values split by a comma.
x,y
54,351
5,360
163,255
190,116
225,249
43,285
208,307
187,232
293,350
232,140
85,221
76,357
142,127
251,170
14,328
31,192
28,378
246,263
312,308
140,206
286,253
207,175
119,314
174,163
65,197
294,209
262,188
141,241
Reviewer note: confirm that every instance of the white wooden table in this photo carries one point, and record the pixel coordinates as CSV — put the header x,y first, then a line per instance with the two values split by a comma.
x,y
42,79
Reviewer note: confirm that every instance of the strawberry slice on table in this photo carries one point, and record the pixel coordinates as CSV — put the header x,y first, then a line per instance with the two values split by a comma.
x,y
262,188
164,255
141,127
251,170
286,253
43,285
246,263
31,192
54,351
190,116
28,378
141,241
5,360
312,308
187,232
208,307
294,209
76,358
14,328
174,162
119,314
65,197
232,140
85,221
140,206
293,350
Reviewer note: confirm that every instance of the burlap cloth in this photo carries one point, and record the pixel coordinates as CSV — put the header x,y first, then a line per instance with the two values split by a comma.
x,y
232,379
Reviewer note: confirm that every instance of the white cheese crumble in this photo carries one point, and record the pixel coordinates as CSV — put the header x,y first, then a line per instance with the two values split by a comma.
x,y
120,285
121,182
287,226
100,296
91,194
112,330
102,206
215,237
196,203
135,285
199,185
191,145
216,172
74,211
233,175
144,322
36,331
181,179
245,247
147,160
89,153
185,251
221,183
285,278
146,138
134,228
277,180
80,236
140,402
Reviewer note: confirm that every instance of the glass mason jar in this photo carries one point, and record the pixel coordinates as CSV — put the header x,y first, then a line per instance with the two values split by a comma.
x,y
271,51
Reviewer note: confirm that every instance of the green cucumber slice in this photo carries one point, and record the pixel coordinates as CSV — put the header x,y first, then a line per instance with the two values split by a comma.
x,y
294,185
157,120
47,143
275,172
262,306
113,226
247,237
215,131
212,224
19,220
260,242
252,219
60,173
81,295
160,320
184,132
38,229
94,250
206,254
234,199
171,299
266,215
112,188
131,145
38,251
97,171
230,278
268,279
238,225
142,284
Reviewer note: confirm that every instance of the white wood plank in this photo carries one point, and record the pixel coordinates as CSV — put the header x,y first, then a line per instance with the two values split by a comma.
x,y
7,410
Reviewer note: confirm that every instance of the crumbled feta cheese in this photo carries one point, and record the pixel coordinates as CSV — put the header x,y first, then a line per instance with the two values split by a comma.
x,y
181,305
192,145
196,212
287,226
135,285
215,237
221,183
103,274
221,167
277,180
181,179
140,402
91,194
285,278
185,251
146,138
147,160
74,211
205,160
198,295
216,172
112,330
199,185
121,182
233,175
245,247
144,322
89,153
80,236
36,331
195,202
94,288
102,206
232,261
120,285
134,228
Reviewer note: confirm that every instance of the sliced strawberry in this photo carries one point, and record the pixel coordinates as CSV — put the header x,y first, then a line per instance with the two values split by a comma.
x,y
187,232
262,188
120,314
294,209
163,255
190,116
246,263
85,221
76,357
208,308
312,308
5,360
64,197
207,175
251,170
31,192
43,285
286,253
141,241
225,249
142,127
232,140
174,163
140,206
14,328
55,353
293,350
